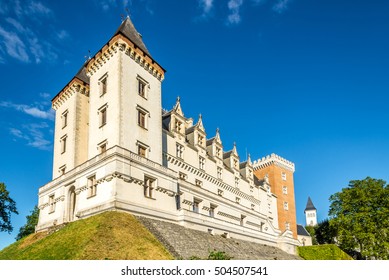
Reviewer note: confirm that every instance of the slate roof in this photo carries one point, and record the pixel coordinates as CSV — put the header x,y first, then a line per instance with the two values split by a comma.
x,y
127,29
302,231
310,205
81,74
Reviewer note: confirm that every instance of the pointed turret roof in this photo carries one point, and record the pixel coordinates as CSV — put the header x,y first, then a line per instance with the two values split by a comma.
x,y
128,30
310,205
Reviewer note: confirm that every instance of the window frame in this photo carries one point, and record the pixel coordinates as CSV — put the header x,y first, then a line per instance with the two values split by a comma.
x,y
142,117
63,142
103,84
149,186
142,87
144,147
103,115
92,186
65,118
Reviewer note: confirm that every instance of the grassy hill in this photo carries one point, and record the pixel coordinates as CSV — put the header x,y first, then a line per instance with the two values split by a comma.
x,y
323,252
110,235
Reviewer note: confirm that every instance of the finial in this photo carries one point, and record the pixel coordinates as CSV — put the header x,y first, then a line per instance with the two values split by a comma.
x,y
178,99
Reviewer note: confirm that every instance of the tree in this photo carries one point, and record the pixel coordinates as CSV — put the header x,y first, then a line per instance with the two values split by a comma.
x,y
312,232
29,227
360,215
325,233
7,207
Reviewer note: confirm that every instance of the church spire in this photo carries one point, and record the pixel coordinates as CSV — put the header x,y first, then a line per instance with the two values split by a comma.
x,y
310,205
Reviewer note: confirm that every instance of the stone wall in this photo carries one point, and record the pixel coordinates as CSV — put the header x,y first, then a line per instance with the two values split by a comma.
x,y
185,243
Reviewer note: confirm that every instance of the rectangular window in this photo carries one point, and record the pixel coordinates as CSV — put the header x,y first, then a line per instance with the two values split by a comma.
x,y
179,151
201,163
235,163
200,140
242,219
236,182
141,88
212,210
196,205
286,206
142,151
285,190
142,117
63,143
148,187
92,186
103,115
218,152
103,85
51,203
283,175
64,119
178,126
287,226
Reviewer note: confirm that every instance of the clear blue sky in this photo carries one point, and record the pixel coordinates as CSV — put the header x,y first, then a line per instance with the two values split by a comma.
x,y
305,79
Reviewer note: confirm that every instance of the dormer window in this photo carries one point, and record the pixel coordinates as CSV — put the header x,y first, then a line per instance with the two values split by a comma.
x,y
235,163
200,140
218,152
178,126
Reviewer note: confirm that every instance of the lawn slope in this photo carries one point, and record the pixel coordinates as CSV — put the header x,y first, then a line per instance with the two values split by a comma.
x,y
110,235
323,252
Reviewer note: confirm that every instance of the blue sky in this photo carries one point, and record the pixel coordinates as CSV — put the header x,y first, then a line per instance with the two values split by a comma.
x,y
305,79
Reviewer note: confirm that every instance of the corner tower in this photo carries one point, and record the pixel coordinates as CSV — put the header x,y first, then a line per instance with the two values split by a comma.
x,y
125,96
280,174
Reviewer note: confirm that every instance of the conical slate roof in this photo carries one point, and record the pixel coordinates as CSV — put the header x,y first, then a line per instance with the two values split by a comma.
x,y
128,30
310,205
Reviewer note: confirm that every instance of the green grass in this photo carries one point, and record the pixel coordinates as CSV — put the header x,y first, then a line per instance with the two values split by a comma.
x,y
110,235
322,252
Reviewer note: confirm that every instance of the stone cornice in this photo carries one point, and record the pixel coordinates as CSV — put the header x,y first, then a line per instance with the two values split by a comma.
x,y
188,168
75,86
122,44
273,159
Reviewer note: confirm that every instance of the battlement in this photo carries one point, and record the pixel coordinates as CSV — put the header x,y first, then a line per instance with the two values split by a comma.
x,y
273,159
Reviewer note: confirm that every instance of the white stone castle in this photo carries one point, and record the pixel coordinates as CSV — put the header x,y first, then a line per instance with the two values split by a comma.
x,y
117,149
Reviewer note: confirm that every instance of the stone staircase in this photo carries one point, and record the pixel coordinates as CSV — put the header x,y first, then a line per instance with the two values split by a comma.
x,y
184,243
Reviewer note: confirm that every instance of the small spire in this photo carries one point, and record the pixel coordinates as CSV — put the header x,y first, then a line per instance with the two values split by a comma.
x,y
249,159
200,123
177,107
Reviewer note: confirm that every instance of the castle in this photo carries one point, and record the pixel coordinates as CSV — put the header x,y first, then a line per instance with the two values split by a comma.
x,y
115,148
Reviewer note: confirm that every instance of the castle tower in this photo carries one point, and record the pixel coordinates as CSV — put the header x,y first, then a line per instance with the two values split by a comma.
x,y
280,175
310,213
125,96
71,107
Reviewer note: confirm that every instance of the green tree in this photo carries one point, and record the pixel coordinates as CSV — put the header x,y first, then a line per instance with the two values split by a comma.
x,y
312,232
325,233
7,207
29,227
360,214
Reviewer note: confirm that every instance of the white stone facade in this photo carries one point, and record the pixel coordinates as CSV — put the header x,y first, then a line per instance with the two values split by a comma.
x,y
123,152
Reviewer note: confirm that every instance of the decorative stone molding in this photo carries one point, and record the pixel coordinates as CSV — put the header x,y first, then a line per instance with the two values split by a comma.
x,y
209,178
187,202
223,214
122,44
273,159
165,191
75,86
